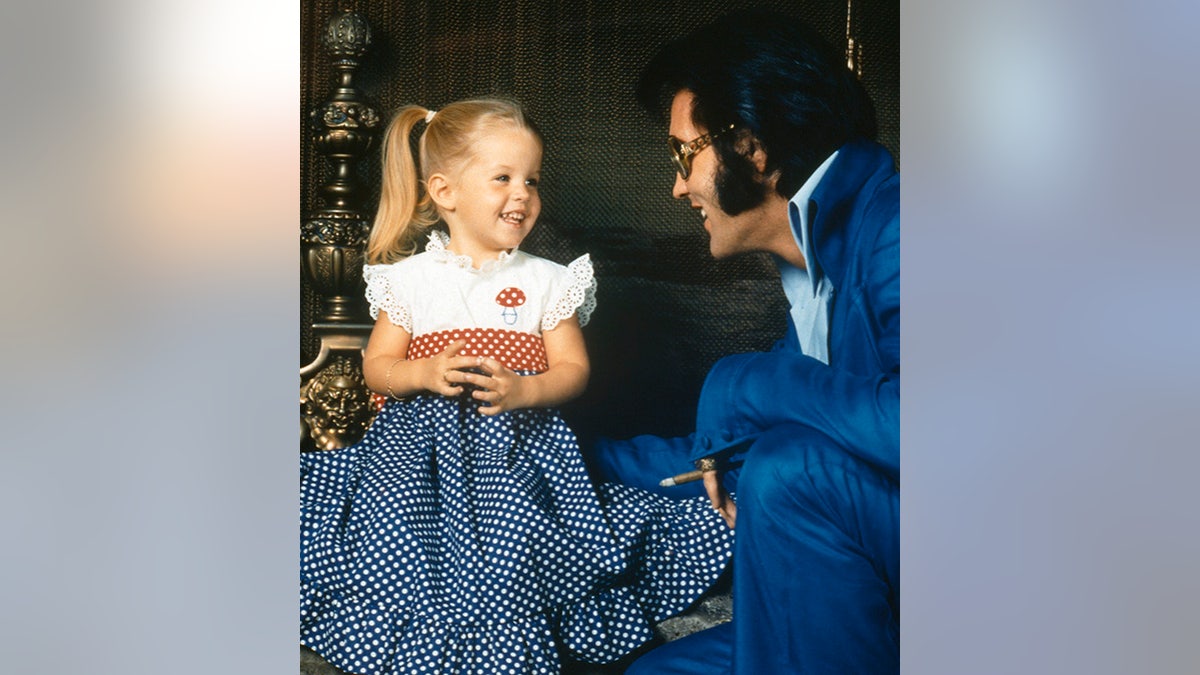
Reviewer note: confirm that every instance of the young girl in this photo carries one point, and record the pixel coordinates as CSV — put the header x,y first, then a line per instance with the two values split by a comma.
x,y
462,534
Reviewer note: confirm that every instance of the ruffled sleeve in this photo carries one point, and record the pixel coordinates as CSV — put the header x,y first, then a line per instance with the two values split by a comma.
x,y
574,293
384,293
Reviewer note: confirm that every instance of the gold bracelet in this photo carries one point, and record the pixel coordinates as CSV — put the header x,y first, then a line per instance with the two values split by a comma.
x,y
706,464
388,379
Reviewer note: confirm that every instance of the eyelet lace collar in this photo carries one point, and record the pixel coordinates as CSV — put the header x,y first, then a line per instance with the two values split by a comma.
x,y
436,247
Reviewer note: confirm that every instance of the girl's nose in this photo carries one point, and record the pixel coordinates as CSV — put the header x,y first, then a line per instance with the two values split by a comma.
x,y
679,189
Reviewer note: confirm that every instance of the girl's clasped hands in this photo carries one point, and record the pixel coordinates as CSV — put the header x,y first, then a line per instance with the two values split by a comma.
x,y
450,374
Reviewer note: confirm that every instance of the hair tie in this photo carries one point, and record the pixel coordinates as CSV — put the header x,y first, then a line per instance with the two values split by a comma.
x,y
429,116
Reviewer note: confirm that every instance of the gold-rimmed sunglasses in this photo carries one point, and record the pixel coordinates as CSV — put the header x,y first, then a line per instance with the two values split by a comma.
x,y
681,153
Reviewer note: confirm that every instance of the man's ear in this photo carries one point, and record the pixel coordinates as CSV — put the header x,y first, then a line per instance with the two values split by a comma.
x,y
440,191
749,147
752,149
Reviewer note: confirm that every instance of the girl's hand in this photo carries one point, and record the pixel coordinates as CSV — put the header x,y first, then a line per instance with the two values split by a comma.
x,y
500,388
443,374
721,501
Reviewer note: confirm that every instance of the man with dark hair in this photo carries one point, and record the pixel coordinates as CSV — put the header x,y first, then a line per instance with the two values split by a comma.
x,y
771,136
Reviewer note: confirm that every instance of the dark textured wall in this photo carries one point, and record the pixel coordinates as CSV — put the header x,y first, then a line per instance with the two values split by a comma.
x,y
667,310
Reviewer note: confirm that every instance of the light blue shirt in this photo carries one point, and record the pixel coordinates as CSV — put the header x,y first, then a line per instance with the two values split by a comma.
x,y
808,290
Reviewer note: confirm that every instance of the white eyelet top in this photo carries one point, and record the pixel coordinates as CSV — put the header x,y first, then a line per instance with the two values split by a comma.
x,y
508,300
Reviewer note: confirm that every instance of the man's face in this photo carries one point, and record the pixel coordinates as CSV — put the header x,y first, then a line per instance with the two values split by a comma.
x,y
729,235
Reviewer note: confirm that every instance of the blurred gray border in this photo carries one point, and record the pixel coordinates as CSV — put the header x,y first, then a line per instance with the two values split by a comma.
x,y
1049,421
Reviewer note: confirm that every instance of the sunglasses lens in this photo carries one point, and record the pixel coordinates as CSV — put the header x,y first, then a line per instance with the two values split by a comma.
x,y
681,162
681,166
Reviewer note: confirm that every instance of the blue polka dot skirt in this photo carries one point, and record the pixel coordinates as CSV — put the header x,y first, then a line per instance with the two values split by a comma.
x,y
451,542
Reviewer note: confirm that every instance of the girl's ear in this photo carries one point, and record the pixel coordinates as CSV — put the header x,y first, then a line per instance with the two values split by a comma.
x,y
440,191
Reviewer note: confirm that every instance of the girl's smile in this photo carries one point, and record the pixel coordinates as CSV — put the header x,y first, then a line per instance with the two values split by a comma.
x,y
492,203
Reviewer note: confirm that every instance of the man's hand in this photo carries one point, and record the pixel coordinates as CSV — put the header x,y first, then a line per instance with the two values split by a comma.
x,y
720,499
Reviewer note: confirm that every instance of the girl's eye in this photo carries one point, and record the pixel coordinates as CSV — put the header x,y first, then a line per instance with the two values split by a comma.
x,y
502,179
532,182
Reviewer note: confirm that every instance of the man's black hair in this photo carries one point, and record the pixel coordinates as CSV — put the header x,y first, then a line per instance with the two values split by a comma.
x,y
772,76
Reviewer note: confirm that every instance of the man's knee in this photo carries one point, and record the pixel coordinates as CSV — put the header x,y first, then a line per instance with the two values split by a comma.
x,y
806,471
800,483
786,461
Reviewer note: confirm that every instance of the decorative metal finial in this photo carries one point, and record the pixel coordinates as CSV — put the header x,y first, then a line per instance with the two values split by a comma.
x,y
343,128
335,402
347,35
853,48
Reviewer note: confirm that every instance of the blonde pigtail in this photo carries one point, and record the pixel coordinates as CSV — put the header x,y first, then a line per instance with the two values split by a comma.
x,y
405,210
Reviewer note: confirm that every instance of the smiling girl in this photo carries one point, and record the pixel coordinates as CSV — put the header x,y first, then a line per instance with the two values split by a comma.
x,y
462,534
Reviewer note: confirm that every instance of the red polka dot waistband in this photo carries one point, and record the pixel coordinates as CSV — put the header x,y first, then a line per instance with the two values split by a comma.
x,y
517,351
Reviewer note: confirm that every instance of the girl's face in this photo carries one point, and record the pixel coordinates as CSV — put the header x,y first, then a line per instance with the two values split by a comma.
x,y
493,202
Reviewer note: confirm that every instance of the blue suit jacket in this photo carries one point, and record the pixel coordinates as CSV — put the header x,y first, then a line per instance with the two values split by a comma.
x,y
855,400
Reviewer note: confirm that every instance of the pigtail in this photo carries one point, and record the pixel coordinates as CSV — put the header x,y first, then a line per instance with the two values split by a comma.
x,y
405,210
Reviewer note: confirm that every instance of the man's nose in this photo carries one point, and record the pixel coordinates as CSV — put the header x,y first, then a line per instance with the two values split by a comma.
x,y
679,189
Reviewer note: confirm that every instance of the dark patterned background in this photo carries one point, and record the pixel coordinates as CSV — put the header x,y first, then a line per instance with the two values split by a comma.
x,y
667,310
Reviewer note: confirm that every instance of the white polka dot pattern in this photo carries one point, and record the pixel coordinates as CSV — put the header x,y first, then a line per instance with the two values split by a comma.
x,y
450,542
511,297
378,401
517,351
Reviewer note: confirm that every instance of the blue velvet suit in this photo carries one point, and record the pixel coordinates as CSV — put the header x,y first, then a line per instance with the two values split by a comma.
x,y
816,558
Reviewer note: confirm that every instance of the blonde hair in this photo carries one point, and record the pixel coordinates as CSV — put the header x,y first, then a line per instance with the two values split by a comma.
x,y
405,210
